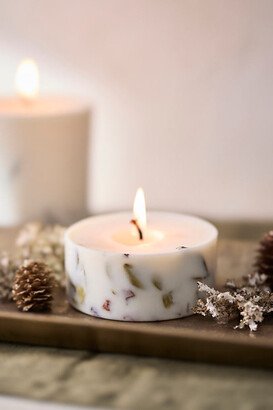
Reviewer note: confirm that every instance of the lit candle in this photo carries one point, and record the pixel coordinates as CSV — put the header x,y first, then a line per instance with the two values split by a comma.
x,y
113,273
27,80
43,144
138,233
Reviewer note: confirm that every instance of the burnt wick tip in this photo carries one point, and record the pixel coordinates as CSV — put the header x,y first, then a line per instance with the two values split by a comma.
x,y
134,221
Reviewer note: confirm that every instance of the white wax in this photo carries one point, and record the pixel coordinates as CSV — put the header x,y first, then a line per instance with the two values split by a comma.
x,y
43,148
112,277
166,232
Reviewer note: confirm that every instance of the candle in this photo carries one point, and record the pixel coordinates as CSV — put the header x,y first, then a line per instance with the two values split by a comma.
x,y
43,144
114,273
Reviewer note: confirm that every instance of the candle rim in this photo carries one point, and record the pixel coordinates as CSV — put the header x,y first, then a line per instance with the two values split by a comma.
x,y
66,105
212,237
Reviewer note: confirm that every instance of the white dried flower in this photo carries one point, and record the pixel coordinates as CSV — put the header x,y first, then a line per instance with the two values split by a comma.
x,y
252,325
205,288
250,301
252,314
255,279
227,296
211,309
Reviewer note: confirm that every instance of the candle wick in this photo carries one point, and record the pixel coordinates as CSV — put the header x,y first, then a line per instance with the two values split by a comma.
x,y
134,221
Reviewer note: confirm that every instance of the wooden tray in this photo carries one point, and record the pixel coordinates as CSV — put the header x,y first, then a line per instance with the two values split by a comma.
x,y
194,338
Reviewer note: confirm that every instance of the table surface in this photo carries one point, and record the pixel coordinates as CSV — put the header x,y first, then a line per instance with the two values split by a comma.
x,y
130,382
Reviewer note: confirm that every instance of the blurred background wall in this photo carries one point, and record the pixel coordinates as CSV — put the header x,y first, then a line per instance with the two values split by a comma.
x,y
181,94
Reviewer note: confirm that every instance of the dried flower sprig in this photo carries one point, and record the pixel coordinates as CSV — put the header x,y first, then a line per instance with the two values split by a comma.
x,y
35,241
250,302
44,243
8,268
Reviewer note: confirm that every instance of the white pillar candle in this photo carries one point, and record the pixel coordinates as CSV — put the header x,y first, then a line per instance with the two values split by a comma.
x,y
113,274
43,148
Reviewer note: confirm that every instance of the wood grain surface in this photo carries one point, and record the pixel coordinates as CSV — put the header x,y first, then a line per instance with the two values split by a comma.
x,y
193,338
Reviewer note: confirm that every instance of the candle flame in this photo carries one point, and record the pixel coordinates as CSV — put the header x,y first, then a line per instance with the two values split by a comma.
x,y
27,80
140,209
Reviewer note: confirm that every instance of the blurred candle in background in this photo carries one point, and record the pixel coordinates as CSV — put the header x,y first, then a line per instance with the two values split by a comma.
x,y
43,149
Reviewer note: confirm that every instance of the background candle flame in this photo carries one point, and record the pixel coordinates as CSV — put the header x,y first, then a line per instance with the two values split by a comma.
x,y
140,208
27,80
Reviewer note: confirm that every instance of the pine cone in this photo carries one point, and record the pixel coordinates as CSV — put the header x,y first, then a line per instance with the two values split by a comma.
x,y
32,287
264,259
